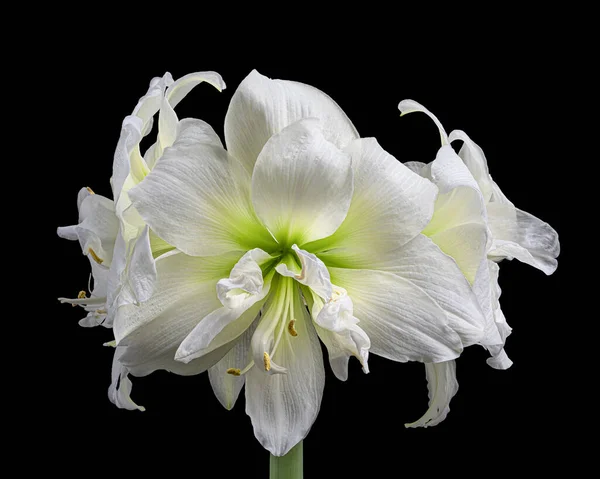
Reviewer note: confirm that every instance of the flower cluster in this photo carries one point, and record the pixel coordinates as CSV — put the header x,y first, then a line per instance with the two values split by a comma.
x,y
239,261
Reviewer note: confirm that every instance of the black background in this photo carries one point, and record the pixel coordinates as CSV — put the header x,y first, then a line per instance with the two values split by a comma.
x,y
502,96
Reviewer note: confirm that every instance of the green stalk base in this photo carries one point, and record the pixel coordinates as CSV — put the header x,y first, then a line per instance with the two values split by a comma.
x,y
288,466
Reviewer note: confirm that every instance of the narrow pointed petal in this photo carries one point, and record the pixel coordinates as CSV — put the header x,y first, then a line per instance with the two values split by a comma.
x,y
411,106
283,407
197,198
302,184
168,121
442,386
142,269
227,386
261,108
119,391
401,320
391,205
474,158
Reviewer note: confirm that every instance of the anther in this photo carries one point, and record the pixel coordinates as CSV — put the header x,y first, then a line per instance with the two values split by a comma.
x,y
96,258
267,361
91,192
101,311
80,295
291,328
234,371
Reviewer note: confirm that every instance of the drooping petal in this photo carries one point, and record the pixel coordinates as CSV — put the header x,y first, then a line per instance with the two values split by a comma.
x,y
411,106
225,377
339,330
313,273
520,235
301,184
261,108
119,391
401,320
283,407
390,206
97,228
474,158
422,263
442,386
197,199
168,121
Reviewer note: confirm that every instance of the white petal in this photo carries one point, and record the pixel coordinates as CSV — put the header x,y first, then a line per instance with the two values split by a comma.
x,y
201,338
416,166
197,199
411,106
167,120
120,388
520,235
142,270
423,263
390,206
313,273
227,386
261,108
338,329
283,407
185,292
302,184
473,157
402,321
442,386
97,228
245,280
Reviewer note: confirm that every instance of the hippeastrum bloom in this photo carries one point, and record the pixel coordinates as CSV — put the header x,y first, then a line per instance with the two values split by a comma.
x,y
120,246
477,226
299,231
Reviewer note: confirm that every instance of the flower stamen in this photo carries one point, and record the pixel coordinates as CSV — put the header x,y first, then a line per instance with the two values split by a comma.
x,y
267,361
96,258
234,371
291,328
90,191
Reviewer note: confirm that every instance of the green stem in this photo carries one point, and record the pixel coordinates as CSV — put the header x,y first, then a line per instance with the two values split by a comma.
x,y
288,466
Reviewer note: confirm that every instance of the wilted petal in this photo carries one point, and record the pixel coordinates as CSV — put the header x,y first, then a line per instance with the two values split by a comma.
x,y
520,235
390,206
197,198
283,407
261,108
313,273
401,320
302,184
442,386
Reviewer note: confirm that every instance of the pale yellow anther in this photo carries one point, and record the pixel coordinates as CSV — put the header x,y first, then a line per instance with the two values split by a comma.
x,y
291,328
234,371
267,361
81,294
90,191
101,311
96,258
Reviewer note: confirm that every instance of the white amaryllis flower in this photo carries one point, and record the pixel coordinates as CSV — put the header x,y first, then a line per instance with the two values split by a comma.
x,y
120,246
299,231
477,226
